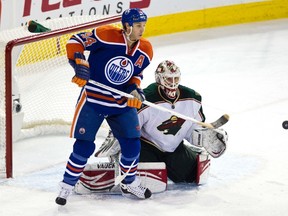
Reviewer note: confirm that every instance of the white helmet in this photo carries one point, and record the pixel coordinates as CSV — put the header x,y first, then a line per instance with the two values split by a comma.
x,y
168,76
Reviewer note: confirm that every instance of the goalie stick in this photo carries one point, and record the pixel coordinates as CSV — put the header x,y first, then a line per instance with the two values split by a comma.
x,y
216,124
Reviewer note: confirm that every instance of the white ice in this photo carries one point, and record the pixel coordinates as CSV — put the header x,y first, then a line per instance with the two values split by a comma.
x,y
241,70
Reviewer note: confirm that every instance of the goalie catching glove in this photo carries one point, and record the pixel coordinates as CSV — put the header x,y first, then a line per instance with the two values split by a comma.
x,y
138,96
81,68
213,140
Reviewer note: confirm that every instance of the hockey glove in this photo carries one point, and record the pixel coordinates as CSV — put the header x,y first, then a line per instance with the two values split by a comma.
x,y
213,140
81,68
138,98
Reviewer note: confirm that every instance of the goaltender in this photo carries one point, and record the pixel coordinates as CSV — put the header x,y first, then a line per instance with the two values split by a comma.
x,y
184,146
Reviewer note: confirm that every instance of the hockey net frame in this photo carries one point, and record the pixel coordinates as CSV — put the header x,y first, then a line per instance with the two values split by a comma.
x,y
6,139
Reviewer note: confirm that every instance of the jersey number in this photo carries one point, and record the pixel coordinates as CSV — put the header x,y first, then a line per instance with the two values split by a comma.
x,y
89,40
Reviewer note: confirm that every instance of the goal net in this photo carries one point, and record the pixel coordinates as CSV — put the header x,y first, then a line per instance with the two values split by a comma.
x,y
36,95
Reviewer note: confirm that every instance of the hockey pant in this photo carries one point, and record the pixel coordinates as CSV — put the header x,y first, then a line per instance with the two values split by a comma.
x,y
84,128
183,165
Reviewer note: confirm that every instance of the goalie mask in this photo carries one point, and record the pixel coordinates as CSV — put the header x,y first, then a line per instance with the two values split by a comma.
x,y
168,75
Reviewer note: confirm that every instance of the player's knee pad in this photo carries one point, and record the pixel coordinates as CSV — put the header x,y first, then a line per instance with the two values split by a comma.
x,y
84,148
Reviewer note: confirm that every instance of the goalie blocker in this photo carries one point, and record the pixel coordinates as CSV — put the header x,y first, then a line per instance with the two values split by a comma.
x,y
100,177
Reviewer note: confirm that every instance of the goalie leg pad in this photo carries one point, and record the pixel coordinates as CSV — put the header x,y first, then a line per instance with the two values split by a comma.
x,y
153,175
109,147
203,168
100,178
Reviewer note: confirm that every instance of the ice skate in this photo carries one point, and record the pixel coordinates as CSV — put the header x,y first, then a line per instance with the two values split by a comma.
x,y
65,191
135,189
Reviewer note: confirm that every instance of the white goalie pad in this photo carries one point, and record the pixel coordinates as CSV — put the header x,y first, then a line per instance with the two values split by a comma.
x,y
203,168
109,147
100,178
17,119
17,114
213,140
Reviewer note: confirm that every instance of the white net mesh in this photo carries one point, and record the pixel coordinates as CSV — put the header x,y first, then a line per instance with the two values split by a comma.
x,y
42,77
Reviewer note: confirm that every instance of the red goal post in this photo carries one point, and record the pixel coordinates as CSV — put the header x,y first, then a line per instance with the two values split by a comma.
x,y
10,62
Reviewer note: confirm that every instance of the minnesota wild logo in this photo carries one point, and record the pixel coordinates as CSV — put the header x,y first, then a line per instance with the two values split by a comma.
x,y
171,126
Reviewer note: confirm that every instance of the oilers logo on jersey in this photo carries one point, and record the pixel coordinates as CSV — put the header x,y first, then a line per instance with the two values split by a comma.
x,y
119,70
82,130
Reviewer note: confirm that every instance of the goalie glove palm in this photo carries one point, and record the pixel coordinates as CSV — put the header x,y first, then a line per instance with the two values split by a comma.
x,y
81,68
213,140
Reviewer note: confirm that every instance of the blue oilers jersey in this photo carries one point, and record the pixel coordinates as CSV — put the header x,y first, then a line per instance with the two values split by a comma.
x,y
111,63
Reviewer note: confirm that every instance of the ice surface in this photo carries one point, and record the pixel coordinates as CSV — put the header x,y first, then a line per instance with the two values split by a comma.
x,y
241,70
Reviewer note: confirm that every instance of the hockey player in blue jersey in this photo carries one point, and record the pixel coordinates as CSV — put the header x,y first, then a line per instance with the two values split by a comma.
x,y
117,58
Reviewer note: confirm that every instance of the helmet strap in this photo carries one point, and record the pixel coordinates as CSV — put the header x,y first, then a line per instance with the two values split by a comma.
x,y
128,35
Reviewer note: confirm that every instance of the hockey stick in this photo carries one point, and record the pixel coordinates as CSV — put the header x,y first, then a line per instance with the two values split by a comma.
x,y
120,177
218,123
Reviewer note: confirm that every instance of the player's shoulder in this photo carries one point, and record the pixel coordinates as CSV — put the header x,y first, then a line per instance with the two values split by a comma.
x,y
151,88
151,92
109,33
144,43
187,92
146,47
